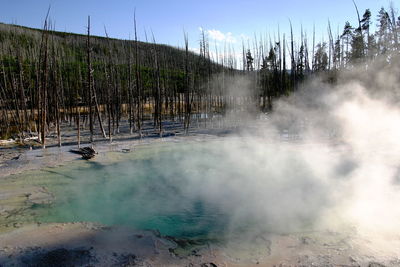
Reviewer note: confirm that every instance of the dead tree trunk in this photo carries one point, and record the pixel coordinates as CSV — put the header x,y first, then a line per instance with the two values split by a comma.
x,y
43,83
89,82
139,107
92,92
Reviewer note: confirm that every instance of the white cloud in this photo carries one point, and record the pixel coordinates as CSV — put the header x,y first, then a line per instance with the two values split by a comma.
x,y
216,35
227,44
195,50
220,36
230,38
244,37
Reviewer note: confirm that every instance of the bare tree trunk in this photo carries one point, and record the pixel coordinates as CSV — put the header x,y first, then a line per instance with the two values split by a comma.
x,y
43,86
130,92
293,63
89,82
158,100
79,126
92,92
187,88
137,81
25,119
57,108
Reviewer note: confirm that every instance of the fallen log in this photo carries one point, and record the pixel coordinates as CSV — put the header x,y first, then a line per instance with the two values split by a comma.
x,y
85,152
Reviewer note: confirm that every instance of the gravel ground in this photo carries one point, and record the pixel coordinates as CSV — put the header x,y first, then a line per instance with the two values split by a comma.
x,y
89,244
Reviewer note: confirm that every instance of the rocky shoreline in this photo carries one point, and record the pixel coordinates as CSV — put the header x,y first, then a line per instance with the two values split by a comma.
x,y
16,158
91,244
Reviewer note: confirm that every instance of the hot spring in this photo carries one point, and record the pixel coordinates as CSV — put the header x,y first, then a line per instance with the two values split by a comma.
x,y
224,188
147,189
212,190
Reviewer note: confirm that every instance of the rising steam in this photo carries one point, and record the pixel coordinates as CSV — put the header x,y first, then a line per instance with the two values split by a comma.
x,y
326,158
346,170
343,170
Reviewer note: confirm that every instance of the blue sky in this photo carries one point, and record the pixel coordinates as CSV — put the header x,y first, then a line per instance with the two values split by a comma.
x,y
225,21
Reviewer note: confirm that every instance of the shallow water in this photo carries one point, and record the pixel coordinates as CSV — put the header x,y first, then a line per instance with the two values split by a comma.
x,y
143,190
188,190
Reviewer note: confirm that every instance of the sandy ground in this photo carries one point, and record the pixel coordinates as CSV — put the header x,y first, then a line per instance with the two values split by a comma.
x,y
16,157
88,244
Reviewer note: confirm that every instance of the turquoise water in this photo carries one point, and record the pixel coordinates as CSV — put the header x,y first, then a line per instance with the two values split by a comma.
x,y
192,190
146,189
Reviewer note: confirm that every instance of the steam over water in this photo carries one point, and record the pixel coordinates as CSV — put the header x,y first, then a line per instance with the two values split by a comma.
x,y
342,174
193,190
151,191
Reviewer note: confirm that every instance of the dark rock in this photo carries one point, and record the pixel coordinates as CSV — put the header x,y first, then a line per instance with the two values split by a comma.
x,y
87,156
128,260
352,259
210,264
60,257
16,157
195,253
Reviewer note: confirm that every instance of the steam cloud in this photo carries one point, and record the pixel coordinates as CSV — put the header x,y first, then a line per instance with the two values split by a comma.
x,y
344,171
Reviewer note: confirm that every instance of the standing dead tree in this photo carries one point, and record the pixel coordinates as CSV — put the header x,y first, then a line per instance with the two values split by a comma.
x,y
157,90
48,78
139,93
42,90
90,88
188,101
